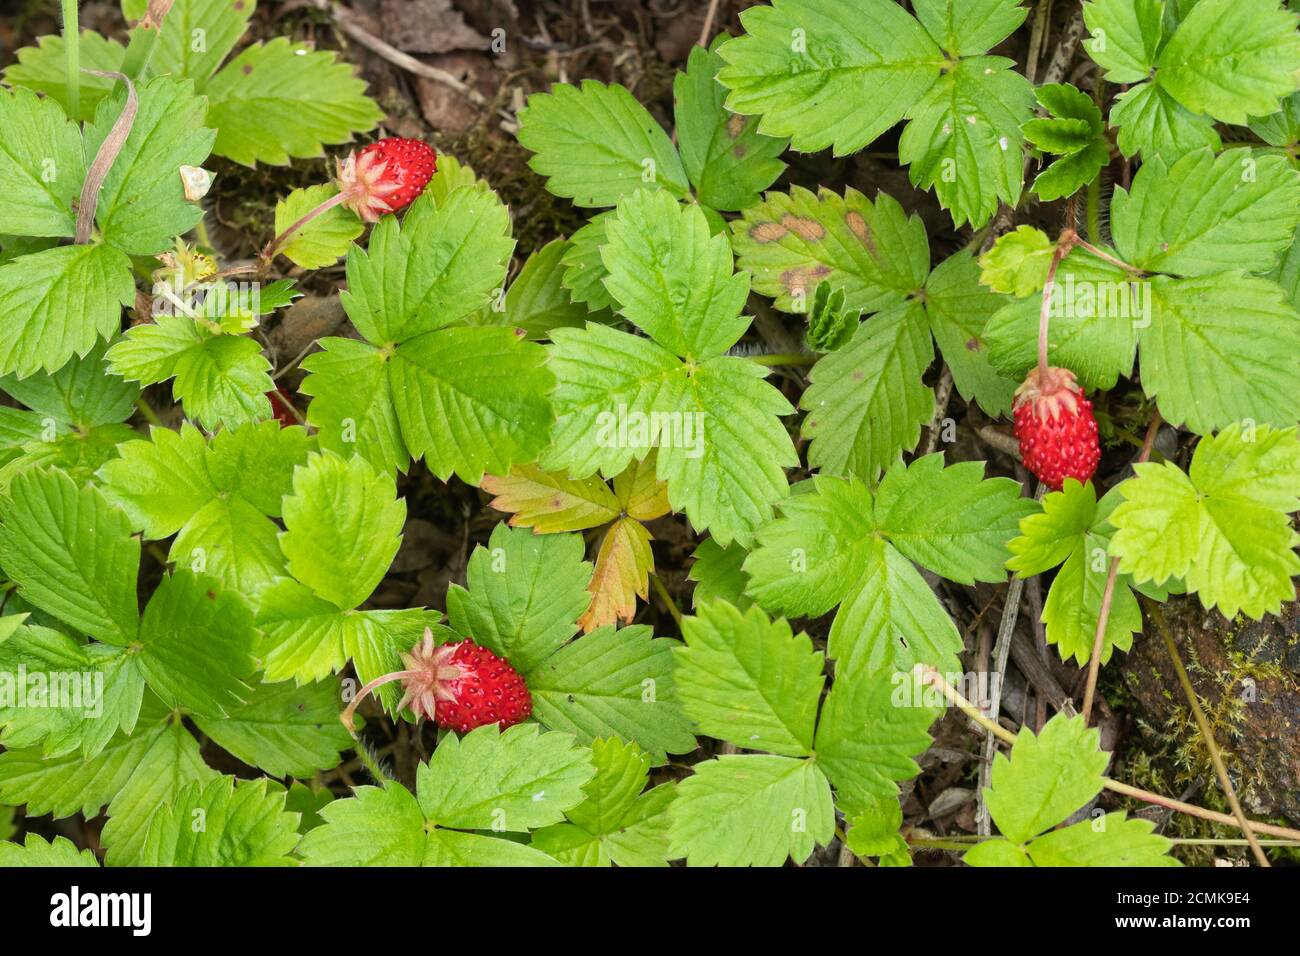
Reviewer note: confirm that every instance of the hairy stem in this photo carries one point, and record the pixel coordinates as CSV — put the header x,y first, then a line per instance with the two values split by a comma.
x,y
105,157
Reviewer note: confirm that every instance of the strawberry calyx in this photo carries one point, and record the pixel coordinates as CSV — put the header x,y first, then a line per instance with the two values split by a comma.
x,y
1051,393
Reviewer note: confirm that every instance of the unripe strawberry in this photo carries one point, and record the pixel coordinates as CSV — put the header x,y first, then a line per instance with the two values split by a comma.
x,y
1056,428
385,176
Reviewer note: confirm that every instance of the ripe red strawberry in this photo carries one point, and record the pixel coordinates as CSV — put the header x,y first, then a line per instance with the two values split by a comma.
x,y
1056,428
461,685
385,176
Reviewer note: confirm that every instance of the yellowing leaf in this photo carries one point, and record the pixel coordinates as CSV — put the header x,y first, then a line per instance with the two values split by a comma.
x,y
622,572
550,501
640,494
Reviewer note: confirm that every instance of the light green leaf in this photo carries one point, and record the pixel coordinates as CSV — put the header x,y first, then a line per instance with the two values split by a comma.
x,y
41,166
44,68
1154,124
35,852
243,823
584,270
718,575
597,144
967,27
323,240
222,24
1114,840
1125,37
749,680
537,300
1281,129
82,394
452,848
353,405
742,810
1018,262
377,827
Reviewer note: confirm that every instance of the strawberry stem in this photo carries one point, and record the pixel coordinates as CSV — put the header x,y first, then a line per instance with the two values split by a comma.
x,y
1064,244
365,692
72,50
274,246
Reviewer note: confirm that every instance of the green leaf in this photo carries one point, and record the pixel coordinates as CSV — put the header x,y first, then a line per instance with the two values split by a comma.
x,y
729,162
866,402
1018,262
963,137
1207,214
1221,349
1125,37
142,205
280,99
1223,528
41,166
35,852
749,680
58,303
1232,59
1281,129
793,241
1113,840
43,68
81,395
807,66
452,848
71,553
220,379
347,503
222,823
782,806
196,645
284,729
866,741
512,780
222,24
958,308
537,300
584,270
352,403
671,278
325,239
1046,779
549,501
950,520
1153,123
526,593
596,144
968,27
874,832
614,683
718,575
377,827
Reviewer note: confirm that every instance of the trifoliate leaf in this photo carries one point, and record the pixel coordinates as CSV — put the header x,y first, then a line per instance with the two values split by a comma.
x,y
142,205
36,852
782,805
1222,528
281,99
1232,59
1207,213
866,741
42,166
1075,132
963,137
1072,530
1221,349
808,67
793,241
72,554
597,144
749,680
507,781
728,161
958,308
614,683
220,379
526,593
325,239
283,729
353,506
1046,779
866,402
952,520
58,303
672,279
222,823
718,575
874,832
1154,124
621,574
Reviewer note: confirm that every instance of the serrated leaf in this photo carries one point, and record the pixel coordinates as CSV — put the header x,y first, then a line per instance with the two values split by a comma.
x,y
222,823
71,553
281,99
967,27
221,23
549,501
377,827
1154,124
325,239
614,683
718,574
758,796
537,300
352,404
526,593
620,575
749,680
727,160
43,68
808,66
1221,349
1046,778
142,204
866,402
1018,262
283,729
596,144
36,852
1223,528
41,166
1281,129
356,508
58,303
793,241
1114,840
1205,213
513,780
1125,36
584,270
82,394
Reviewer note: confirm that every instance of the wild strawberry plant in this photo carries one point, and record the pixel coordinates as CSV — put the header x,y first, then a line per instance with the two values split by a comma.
x,y
210,580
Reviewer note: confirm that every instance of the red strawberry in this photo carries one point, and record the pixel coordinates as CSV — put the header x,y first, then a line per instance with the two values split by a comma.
x,y
282,407
1055,428
385,176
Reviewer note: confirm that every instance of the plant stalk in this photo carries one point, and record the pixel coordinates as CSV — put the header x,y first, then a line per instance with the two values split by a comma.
x,y
72,53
